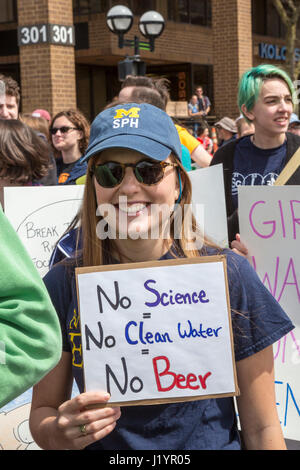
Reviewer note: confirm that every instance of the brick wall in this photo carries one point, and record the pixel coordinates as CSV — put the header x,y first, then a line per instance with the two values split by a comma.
x,y
232,51
47,71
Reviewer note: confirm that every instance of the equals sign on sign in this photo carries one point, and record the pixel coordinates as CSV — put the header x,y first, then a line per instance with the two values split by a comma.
x,y
145,317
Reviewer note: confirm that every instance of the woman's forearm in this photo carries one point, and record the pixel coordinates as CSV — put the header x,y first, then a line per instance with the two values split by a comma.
x,y
44,430
268,438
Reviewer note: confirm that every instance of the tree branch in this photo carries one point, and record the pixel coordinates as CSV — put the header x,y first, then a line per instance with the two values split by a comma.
x,y
292,5
289,12
281,11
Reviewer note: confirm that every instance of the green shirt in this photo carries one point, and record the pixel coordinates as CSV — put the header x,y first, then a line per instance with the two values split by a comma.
x,y
30,337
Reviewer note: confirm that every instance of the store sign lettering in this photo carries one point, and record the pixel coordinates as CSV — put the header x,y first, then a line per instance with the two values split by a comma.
x,y
274,52
181,86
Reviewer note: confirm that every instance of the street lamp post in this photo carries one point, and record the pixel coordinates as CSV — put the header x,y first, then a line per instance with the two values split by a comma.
x,y
151,25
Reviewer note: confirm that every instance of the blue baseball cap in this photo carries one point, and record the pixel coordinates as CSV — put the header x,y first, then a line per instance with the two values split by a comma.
x,y
141,127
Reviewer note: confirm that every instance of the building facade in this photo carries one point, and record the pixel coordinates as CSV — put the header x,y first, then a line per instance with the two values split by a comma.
x,y
63,55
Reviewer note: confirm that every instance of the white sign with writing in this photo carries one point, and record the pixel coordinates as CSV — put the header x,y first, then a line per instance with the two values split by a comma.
x,y
209,203
40,215
270,227
156,338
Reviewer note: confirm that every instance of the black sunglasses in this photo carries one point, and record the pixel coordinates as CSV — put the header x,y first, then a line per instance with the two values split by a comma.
x,y
63,129
111,174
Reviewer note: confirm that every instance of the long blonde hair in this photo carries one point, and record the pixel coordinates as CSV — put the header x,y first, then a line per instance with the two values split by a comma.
x,y
96,252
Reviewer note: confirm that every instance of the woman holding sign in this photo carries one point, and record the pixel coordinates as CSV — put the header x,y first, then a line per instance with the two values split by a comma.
x,y
265,100
134,165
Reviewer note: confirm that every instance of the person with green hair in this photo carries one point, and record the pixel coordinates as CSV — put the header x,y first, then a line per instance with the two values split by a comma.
x,y
266,100
252,82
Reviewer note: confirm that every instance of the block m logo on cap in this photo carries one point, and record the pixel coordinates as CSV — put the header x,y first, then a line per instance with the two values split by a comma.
x,y
132,113
126,117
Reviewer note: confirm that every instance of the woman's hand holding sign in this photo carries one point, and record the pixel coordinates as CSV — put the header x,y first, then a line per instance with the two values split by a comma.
x,y
79,426
70,424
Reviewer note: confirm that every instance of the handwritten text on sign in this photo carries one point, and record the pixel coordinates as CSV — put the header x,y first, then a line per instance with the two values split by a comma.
x,y
270,228
40,215
157,332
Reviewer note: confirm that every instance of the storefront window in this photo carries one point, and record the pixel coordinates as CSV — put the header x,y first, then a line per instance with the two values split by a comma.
x,y
190,11
8,11
139,8
203,76
84,7
259,17
265,19
95,87
178,11
275,27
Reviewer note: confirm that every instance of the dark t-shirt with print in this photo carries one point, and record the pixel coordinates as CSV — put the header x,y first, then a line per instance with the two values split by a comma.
x,y
258,321
254,166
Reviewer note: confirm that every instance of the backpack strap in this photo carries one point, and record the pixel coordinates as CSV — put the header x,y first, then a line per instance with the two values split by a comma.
x,y
289,169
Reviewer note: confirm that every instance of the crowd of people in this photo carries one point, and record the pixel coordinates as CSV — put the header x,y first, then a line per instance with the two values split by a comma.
x,y
148,163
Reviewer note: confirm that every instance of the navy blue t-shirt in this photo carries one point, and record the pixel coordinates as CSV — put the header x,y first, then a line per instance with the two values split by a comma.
x,y
253,166
258,321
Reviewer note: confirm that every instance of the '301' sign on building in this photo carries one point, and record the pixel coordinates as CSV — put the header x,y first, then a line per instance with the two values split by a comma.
x,y
46,34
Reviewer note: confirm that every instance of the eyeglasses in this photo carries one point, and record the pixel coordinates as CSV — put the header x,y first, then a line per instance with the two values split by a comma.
x,y
111,174
63,129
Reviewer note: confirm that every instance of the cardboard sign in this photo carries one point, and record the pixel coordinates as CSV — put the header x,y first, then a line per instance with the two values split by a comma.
x,y
208,198
148,338
177,109
270,227
40,215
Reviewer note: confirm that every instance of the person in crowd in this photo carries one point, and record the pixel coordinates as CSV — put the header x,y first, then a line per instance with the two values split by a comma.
x,y
244,127
9,109
9,98
30,338
69,137
67,244
143,163
41,126
194,113
226,130
42,113
24,155
198,154
294,125
204,103
144,94
203,137
131,82
265,99
38,123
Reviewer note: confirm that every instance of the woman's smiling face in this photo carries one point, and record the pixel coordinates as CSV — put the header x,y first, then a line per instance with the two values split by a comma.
x,y
131,208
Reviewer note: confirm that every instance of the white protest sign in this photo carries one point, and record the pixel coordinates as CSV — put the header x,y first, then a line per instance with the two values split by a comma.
x,y
269,218
209,203
153,339
40,215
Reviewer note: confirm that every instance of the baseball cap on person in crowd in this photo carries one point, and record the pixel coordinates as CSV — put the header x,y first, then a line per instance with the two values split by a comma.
x,y
141,127
227,124
41,113
294,119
